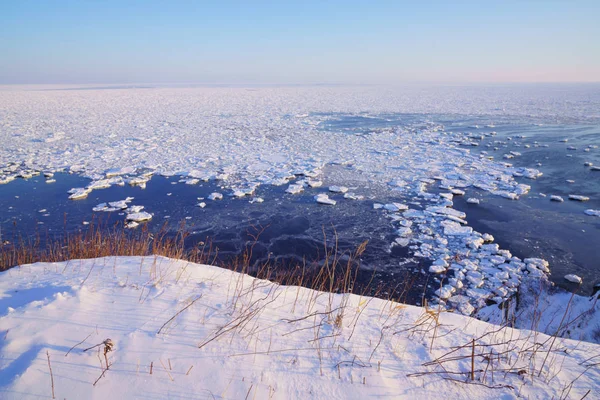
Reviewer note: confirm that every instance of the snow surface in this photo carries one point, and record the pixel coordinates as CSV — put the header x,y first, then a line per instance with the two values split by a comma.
x,y
183,330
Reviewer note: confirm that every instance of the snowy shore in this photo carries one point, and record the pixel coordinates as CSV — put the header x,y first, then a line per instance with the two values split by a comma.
x,y
182,330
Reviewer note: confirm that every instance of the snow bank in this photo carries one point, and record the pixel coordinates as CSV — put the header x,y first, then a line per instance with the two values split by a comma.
x,y
184,330
543,307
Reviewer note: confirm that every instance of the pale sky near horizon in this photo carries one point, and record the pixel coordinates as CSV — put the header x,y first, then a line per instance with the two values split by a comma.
x,y
307,41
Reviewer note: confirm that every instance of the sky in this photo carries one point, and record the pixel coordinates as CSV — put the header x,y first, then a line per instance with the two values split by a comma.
x,y
357,42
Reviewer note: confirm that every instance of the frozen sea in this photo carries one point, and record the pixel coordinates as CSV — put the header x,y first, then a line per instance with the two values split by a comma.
x,y
409,157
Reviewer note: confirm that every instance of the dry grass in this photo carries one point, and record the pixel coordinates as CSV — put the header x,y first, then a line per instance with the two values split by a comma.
x,y
97,241
337,274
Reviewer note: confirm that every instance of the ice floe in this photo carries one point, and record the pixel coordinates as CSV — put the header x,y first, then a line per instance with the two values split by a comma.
x,y
295,189
338,189
578,197
573,278
322,198
79,193
215,196
139,216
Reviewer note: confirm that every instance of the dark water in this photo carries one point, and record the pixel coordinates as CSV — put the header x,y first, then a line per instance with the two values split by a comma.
x,y
534,226
285,230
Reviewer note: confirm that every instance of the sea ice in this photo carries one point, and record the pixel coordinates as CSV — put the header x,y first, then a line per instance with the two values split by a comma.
x,y
338,189
215,196
395,207
79,193
139,216
352,196
578,197
437,269
295,189
573,278
322,198
445,291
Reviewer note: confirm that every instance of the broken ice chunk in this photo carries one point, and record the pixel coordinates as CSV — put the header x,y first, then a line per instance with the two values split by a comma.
x,y
139,216
100,207
456,283
135,209
487,237
447,211
437,269
100,184
472,200
445,292
556,198
79,193
338,189
322,198
353,196
121,204
447,196
215,196
402,241
537,263
573,278
242,192
438,266
295,188
465,308
594,213
395,207
139,181
578,197
452,228
506,194
404,231
475,278
119,171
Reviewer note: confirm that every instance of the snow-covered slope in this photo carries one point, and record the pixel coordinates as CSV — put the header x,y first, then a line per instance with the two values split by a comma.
x,y
182,330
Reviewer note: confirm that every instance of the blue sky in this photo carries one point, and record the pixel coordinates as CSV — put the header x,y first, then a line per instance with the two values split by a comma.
x,y
298,41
